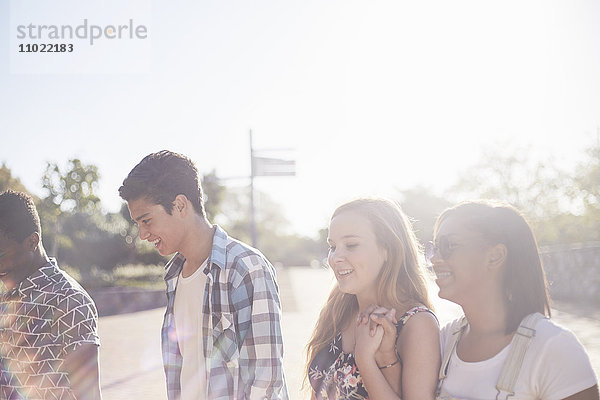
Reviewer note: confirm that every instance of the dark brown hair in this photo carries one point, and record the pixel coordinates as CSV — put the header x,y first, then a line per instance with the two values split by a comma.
x,y
524,281
160,177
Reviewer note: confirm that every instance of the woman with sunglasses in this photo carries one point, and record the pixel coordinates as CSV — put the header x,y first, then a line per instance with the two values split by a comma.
x,y
486,260
393,350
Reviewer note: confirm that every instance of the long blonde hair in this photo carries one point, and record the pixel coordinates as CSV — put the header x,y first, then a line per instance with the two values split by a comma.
x,y
401,283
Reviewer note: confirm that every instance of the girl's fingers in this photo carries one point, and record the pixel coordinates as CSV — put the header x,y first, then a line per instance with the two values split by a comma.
x,y
385,318
392,316
363,317
386,324
376,318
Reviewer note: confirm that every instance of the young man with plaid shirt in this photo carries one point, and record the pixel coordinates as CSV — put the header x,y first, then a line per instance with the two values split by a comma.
x,y
221,335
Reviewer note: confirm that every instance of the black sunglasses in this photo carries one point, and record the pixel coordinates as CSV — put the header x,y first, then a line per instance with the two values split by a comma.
x,y
443,247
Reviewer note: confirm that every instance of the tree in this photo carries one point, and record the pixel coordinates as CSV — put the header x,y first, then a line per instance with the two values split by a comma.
x,y
8,181
69,191
586,193
235,215
214,193
73,189
423,208
510,174
274,237
543,192
587,180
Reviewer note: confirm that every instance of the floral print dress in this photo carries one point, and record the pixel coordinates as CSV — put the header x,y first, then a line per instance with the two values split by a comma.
x,y
334,375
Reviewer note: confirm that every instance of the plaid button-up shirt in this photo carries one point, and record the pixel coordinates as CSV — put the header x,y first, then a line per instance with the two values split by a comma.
x,y
241,325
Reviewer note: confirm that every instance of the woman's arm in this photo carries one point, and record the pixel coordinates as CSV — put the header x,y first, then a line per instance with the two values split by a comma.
x,y
365,348
385,356
419,348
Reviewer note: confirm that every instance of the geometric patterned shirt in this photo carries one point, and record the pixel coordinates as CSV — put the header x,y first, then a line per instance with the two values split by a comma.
x,y
46,316
241,325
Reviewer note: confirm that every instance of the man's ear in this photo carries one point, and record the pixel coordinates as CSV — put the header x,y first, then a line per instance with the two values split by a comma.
x,y
32,241
497,255
180,203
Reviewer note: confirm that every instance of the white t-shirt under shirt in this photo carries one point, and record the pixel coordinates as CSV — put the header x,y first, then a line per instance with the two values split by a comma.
x,y
555,366
188,325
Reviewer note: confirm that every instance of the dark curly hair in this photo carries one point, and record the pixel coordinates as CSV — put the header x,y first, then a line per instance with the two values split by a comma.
x,y
18,216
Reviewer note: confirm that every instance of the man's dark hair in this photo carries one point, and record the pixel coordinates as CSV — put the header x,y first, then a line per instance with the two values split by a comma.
x,y
18,216
160,177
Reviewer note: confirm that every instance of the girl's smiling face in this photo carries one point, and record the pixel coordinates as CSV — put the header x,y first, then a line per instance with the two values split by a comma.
x,y
460,263
354,253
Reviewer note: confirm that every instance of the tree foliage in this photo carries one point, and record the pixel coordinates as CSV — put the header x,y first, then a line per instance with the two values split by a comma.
x,y
76,230
586,193
511,174
214,193
273,230
8,181
72,189
561,207
423,207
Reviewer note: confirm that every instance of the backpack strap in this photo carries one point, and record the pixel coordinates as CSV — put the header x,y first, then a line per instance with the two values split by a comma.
x,y
512,366
456,335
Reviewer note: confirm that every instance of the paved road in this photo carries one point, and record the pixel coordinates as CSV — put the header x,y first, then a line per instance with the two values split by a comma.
x,y
130,353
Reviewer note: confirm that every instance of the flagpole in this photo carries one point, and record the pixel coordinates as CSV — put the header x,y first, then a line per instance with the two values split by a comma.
x,y
253,235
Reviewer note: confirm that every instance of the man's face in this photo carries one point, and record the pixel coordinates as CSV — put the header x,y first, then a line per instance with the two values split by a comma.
x,y
14,257
156,225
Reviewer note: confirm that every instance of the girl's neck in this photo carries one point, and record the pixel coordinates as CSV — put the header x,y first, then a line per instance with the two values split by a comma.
x,y
486,317
364,301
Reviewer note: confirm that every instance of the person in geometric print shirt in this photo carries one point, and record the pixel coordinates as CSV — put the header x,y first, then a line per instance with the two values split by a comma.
x,y
48,323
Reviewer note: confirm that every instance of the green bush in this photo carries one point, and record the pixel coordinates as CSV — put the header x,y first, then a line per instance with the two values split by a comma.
x,y
130,275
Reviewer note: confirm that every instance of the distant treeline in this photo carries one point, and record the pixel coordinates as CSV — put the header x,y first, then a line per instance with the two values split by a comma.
x,y
563,208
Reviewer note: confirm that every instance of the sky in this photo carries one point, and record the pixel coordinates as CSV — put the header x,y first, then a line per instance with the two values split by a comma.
x,y
372,96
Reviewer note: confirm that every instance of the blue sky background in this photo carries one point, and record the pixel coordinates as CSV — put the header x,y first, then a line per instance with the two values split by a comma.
x,y
372,95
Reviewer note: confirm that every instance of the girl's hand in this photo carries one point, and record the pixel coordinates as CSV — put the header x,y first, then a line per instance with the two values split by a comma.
x,y
366,344
374,317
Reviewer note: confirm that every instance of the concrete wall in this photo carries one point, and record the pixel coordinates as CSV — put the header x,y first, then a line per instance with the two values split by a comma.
x,y
573,272
111,301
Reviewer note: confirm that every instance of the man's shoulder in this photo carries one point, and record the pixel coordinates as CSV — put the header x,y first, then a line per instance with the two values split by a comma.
x,y
238,259
234,253
237,248
59,288
247,258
